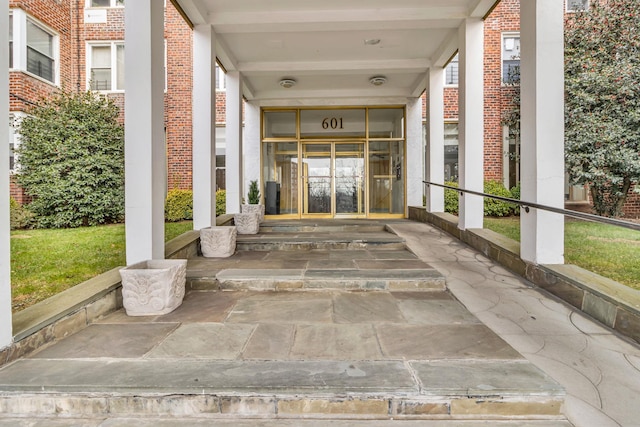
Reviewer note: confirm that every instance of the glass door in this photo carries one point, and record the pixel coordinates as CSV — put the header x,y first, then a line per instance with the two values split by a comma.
x,y
349,178
316,179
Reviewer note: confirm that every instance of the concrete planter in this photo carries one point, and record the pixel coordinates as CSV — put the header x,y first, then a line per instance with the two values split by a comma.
x,y
247,223
259,209
153,287
218,242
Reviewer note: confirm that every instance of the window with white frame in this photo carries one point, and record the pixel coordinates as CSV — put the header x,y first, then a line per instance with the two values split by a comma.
x,y
105,3
511,58
33,47
220,78
451,151
577,5
13,141
105,64
451,72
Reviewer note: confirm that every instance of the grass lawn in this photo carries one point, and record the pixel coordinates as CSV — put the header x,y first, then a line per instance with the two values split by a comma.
x,y
609,251
46,262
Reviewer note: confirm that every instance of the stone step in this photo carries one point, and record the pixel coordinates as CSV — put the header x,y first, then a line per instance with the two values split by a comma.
x,y
305,241
326,226
319,279
201,388
243,422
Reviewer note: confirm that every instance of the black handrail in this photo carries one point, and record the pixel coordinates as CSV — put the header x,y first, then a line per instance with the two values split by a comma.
x,y
527,205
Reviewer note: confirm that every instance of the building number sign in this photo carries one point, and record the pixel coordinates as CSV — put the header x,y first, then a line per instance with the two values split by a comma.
x,y
332,123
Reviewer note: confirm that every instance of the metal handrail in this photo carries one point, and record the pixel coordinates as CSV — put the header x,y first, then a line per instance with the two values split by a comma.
x,y
528,205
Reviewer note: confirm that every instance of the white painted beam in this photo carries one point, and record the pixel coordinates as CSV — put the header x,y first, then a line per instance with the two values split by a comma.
x,y
234,141
145,152
542,129
204,130
6,330
471,122
435,139
335,67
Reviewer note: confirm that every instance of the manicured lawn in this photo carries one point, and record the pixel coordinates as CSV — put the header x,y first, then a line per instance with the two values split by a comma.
x,y
46,262
609,251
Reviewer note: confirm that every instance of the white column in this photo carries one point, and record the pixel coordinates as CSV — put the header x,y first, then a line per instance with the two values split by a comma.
x,y
542,129
234,142
204,127
471,122
435,139
145,153
251,144
414,173
6,330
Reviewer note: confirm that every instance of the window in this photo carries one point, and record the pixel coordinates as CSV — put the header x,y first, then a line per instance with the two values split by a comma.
x,y
577,5
33,47
451,72
105,3
12,143
220,78
106,66
511,58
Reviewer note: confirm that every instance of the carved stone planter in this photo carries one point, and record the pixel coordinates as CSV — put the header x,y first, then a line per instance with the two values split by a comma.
x,y
247,223
259,209
218,242
153,287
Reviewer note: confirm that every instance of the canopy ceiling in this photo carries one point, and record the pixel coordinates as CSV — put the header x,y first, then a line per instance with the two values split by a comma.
x,y
322,44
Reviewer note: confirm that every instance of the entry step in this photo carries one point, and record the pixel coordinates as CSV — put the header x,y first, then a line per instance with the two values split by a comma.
x,y
296,241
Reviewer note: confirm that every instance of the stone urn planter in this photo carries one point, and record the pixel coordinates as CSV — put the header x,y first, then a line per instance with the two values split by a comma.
x,y
257,209
153,287
247,223
218,242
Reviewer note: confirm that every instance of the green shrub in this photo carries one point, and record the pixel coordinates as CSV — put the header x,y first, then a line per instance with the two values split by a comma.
x,y
254,193
494,207
72,160
20,217
515,194
451,198
179,205
221,202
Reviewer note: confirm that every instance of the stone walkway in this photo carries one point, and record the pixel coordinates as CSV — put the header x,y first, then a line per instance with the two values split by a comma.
x,y
599,370
359,344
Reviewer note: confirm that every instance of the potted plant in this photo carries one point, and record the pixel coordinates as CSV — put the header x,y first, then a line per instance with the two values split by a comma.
x,y
253,197
153,287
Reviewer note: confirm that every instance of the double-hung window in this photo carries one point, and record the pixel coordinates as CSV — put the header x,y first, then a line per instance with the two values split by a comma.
x,y
511,58
33,47
105,3
106,66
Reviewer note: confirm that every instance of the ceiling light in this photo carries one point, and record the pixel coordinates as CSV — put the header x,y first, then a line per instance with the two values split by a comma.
x,y
371,42
287,83
378,80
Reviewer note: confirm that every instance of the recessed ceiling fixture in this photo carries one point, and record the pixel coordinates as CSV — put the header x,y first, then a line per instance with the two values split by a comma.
x,y
287,82
378,80
371,42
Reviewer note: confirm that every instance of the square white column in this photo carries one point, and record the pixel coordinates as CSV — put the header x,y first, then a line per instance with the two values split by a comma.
x,y
471,122
234,142
6,330
542,129
145,153
252,147
435,139
414,153
204,127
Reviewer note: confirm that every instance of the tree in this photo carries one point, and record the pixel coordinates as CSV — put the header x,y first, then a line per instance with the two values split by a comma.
x,y
71,161
602,119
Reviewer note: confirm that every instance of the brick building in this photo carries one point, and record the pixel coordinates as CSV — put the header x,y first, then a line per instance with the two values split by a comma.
x,y
79,44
